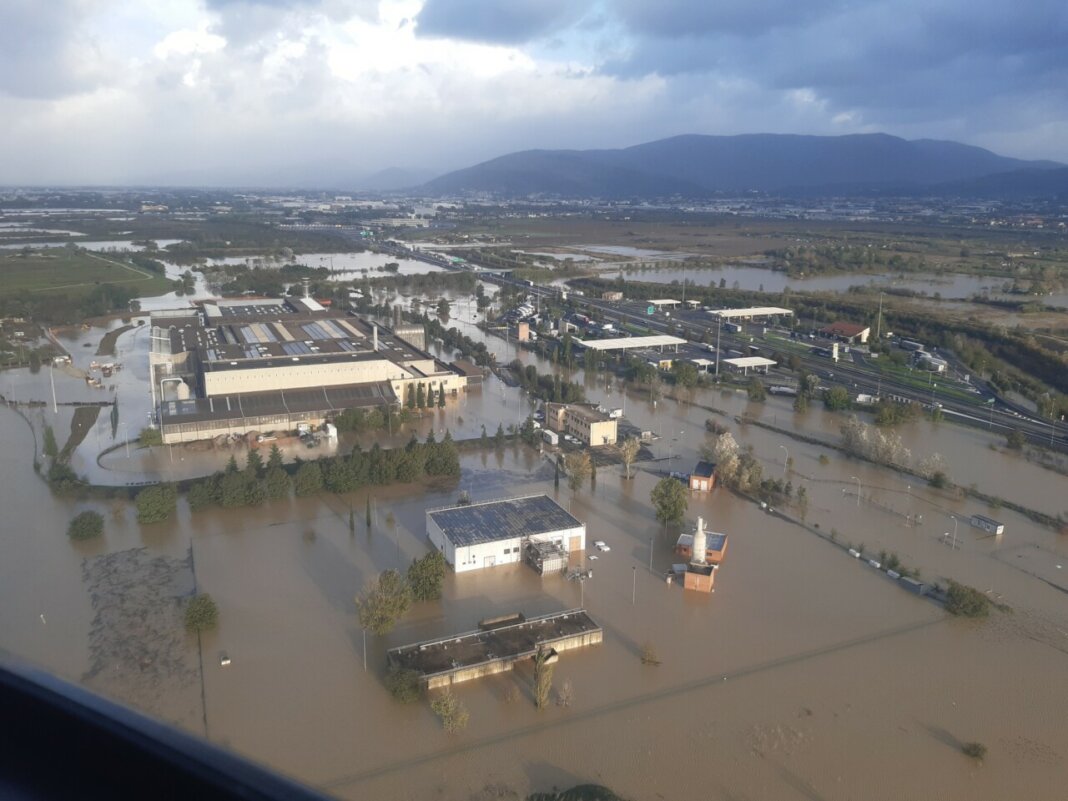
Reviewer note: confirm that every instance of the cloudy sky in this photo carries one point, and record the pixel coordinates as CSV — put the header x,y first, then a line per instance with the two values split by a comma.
x,y
255,91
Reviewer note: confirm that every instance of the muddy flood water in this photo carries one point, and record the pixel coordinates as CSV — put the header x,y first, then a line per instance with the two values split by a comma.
x,y
805,675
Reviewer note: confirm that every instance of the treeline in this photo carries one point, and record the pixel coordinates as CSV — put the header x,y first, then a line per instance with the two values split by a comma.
x,y
261,481
548,387
476,352
67,307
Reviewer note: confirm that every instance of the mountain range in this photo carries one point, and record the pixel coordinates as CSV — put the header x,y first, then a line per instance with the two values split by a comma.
x,y
699,166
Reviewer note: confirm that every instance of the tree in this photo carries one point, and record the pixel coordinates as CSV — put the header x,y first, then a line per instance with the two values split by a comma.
x,y
836,399
556,475
232,493
278,483
274,459
86,526
578,468
441,393
543,678
404,685
426,575
200,495
649,655
974,750
254,463
670,500
498,438
1015,440
420,397
409,397
684,373
201,614
453,713
308,480
156,504
51,449
231,465
383,602
628,452
756,390
444,308
367,515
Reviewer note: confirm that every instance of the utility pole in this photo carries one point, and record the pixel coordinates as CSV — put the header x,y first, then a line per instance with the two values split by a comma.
x,y
650,554
879,319
52,378
633,584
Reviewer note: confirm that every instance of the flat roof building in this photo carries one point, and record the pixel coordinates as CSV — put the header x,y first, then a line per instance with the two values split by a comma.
x,y
743,364
587,424
479,535
290,360
751,313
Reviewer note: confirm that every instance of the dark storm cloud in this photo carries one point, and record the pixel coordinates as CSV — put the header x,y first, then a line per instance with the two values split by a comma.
x,y
915,57
509,22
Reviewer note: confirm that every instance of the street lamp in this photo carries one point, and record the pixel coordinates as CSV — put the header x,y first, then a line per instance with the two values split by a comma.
x,y
858,489
785,463
954,531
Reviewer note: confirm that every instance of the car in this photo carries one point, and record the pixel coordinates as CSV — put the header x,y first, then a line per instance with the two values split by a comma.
x,y
601,545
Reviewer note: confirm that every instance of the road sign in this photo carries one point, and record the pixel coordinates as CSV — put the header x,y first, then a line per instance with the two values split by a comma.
x,y
651,310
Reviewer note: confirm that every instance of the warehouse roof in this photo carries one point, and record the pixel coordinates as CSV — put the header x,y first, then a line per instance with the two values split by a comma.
x,y
511,518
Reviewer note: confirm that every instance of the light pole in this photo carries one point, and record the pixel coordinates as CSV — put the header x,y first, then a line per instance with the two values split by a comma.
x,y
633,584
858,489
719,330
786,462
954,531
126,437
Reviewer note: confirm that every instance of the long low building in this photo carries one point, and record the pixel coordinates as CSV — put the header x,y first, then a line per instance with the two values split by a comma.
x,y
631,343
750,313
744,364
479,535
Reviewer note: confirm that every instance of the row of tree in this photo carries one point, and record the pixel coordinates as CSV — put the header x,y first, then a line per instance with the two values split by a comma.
x,y
258,482
549,387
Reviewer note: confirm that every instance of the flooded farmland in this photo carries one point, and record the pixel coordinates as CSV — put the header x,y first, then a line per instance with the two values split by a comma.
x,y
806,674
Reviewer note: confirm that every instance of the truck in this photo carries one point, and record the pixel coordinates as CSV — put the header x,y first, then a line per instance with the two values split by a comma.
x,y
734,328
551,437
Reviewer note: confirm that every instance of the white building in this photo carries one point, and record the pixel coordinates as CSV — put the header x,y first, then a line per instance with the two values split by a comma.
x,y
478,535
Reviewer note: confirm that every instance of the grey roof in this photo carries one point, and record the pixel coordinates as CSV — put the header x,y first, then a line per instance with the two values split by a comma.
x,y
289,401
502,520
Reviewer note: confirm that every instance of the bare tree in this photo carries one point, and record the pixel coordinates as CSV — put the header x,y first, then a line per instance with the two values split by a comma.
x,y
628,451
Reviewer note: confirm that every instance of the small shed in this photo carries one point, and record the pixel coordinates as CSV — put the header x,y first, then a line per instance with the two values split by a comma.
x,y
703,477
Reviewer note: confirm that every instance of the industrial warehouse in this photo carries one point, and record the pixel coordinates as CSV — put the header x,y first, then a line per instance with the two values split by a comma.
x,y
480,535
235,367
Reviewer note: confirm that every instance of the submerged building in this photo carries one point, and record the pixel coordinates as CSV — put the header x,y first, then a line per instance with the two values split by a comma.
x,y
704,552
480,535
233,367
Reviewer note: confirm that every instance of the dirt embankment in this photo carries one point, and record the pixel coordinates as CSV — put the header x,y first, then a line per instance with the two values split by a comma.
x,y
107,343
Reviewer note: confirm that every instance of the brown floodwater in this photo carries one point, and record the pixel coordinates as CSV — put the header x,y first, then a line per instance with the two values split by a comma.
x,y
806,674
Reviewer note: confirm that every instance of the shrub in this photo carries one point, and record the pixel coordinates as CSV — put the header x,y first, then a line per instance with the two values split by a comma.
x,y
202,614
85,526
403,684
453,713
966,601
156,504
974,750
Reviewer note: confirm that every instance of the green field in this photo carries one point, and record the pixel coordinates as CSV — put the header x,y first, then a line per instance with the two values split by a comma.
x,y
71,272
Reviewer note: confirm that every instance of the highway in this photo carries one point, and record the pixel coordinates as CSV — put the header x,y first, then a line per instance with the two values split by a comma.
x,y
1001,416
